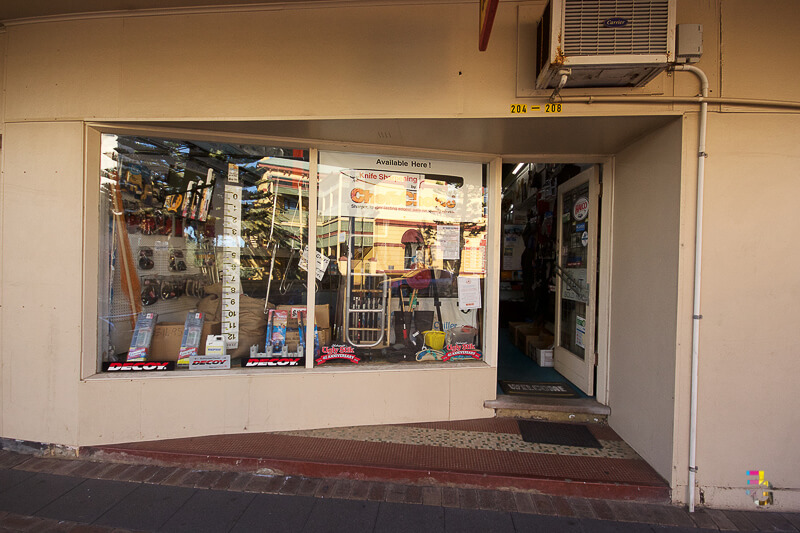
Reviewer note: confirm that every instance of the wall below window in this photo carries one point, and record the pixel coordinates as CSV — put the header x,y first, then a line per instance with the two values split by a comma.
x,y
122,410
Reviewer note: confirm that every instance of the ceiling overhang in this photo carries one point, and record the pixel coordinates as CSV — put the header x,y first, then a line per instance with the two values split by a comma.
x,y
499,136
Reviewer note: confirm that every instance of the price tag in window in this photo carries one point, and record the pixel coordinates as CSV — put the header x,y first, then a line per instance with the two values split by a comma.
x,y
231,264
233,173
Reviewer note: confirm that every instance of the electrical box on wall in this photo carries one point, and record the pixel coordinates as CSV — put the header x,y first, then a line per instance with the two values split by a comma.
x,y
689,43
604,43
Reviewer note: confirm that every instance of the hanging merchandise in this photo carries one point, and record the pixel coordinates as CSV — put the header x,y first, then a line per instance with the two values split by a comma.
x,y
171,289
276,332
204,205
151,290
146,258
192,333
177,262
142,337
188,198
137,181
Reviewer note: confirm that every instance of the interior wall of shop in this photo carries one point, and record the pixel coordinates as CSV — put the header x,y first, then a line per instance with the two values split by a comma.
x,y
646,233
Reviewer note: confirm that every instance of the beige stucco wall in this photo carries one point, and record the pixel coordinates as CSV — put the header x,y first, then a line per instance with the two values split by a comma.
x,y
42,295
3,39
748,411
420,61
745,261
645,238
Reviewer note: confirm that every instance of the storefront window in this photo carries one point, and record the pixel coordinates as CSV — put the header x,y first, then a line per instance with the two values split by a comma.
x,y
401,245
201,254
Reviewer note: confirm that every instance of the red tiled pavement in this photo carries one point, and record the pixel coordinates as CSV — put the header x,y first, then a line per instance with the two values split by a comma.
x,y
571,475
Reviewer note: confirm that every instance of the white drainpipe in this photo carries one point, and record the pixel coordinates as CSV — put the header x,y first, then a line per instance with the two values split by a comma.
x,y
698,256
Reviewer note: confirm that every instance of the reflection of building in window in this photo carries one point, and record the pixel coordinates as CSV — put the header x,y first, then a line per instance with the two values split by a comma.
x,y
414,252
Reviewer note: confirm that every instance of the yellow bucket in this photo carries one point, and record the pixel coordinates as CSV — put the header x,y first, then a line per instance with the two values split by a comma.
x,y
434,339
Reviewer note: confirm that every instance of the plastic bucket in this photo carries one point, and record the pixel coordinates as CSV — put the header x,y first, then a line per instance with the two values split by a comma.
x,y
434,339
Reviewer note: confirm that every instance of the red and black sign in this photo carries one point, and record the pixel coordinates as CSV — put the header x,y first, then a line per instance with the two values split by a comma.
x,y
253,362
338,352
461,352
139,366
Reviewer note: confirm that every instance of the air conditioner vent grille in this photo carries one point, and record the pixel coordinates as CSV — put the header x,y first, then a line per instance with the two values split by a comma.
x,y
587,31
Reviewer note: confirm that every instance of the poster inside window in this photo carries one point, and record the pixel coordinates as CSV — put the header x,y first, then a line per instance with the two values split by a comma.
x,y
401,259
202,255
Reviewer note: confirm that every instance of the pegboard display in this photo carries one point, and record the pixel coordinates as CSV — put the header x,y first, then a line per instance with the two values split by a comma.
x,y
199,261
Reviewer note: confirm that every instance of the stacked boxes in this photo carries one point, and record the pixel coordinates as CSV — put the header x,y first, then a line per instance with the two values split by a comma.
x,y
534,341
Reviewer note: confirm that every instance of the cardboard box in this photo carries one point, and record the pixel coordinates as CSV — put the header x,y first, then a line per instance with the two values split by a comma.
x,y
544,357
512,329
534,343
168,335
523,331
292,337
322,315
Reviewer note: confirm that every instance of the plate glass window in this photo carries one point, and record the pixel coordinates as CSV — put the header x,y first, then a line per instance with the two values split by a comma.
x,y
200,252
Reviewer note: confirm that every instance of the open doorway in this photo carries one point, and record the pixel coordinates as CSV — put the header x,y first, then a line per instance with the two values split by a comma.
x,y
548,305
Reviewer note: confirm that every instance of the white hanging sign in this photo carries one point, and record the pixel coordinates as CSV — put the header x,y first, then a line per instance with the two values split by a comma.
x,y
360,185
231,264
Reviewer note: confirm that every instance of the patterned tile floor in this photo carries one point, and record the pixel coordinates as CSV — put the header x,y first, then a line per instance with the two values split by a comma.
x,y
476,440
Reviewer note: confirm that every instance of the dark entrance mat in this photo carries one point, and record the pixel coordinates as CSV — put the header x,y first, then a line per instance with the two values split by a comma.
x,y
538,388
554,433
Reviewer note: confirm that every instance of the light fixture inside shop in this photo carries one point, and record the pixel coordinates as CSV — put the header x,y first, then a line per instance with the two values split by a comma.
x,y
517,168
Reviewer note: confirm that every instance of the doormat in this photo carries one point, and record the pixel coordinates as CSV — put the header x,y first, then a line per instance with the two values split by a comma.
x,y
555,433
538,388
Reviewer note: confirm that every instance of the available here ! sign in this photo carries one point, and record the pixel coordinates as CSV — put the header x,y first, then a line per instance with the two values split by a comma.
x,y
369,186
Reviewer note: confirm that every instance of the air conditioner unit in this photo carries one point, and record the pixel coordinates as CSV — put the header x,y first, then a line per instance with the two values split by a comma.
x,y
604,43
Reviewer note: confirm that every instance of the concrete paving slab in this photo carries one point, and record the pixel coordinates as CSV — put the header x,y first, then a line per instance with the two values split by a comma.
x,y
9,478
345,516
31,495
147,508
546,524
275,513
477,521
88,501
404,518
209,511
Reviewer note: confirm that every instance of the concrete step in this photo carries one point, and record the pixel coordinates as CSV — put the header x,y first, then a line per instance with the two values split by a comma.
x,y
584,410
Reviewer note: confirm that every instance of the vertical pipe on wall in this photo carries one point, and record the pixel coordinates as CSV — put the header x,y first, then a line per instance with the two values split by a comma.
x,y
698,255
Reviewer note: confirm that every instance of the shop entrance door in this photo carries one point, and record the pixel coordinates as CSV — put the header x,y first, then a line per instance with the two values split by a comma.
x,y
576,267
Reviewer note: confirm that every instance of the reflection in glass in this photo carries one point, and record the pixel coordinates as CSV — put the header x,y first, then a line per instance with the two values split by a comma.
x,y
207,239
405,243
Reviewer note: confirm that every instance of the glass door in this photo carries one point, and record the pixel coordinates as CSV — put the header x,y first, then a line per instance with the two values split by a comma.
x,y
574,353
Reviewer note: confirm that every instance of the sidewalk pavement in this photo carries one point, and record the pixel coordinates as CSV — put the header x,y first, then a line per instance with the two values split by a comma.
x,y
65,494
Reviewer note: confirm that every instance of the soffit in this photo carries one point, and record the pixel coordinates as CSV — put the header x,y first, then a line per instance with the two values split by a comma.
x,y
503,136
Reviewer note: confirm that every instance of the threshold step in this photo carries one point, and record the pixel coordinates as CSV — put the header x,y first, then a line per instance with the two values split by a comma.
x,y
550,409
